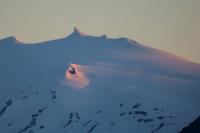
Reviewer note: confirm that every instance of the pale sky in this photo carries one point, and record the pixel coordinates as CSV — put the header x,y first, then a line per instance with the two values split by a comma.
x,y
170,25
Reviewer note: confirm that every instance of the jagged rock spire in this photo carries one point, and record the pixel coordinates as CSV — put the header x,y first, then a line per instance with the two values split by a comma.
x,y
77,31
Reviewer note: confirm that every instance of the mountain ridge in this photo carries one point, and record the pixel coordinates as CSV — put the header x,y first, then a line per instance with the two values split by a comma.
x,y
118,86
78,34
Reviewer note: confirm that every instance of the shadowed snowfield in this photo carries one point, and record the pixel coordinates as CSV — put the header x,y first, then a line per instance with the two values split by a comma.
x,y
119,86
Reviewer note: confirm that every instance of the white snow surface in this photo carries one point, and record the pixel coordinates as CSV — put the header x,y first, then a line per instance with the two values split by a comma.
x,y
112,76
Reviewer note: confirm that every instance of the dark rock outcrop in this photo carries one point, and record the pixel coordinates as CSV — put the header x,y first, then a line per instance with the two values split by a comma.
x,y
194,127
3,110
92,128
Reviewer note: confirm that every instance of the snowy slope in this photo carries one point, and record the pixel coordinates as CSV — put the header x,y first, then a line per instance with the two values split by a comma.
x,y
121,86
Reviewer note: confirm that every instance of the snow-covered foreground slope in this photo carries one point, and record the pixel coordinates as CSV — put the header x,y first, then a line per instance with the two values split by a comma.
x,y
121,86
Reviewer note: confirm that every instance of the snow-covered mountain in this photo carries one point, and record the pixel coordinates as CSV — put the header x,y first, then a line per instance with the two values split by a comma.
x,y
120,86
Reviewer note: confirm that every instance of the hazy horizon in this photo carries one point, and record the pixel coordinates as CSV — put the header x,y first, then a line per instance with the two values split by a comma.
x,y
171,25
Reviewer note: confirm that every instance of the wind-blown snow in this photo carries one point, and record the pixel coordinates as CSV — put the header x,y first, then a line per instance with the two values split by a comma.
x,y
121,86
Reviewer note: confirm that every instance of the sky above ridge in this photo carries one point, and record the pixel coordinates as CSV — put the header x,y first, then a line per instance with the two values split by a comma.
x,y
170,25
